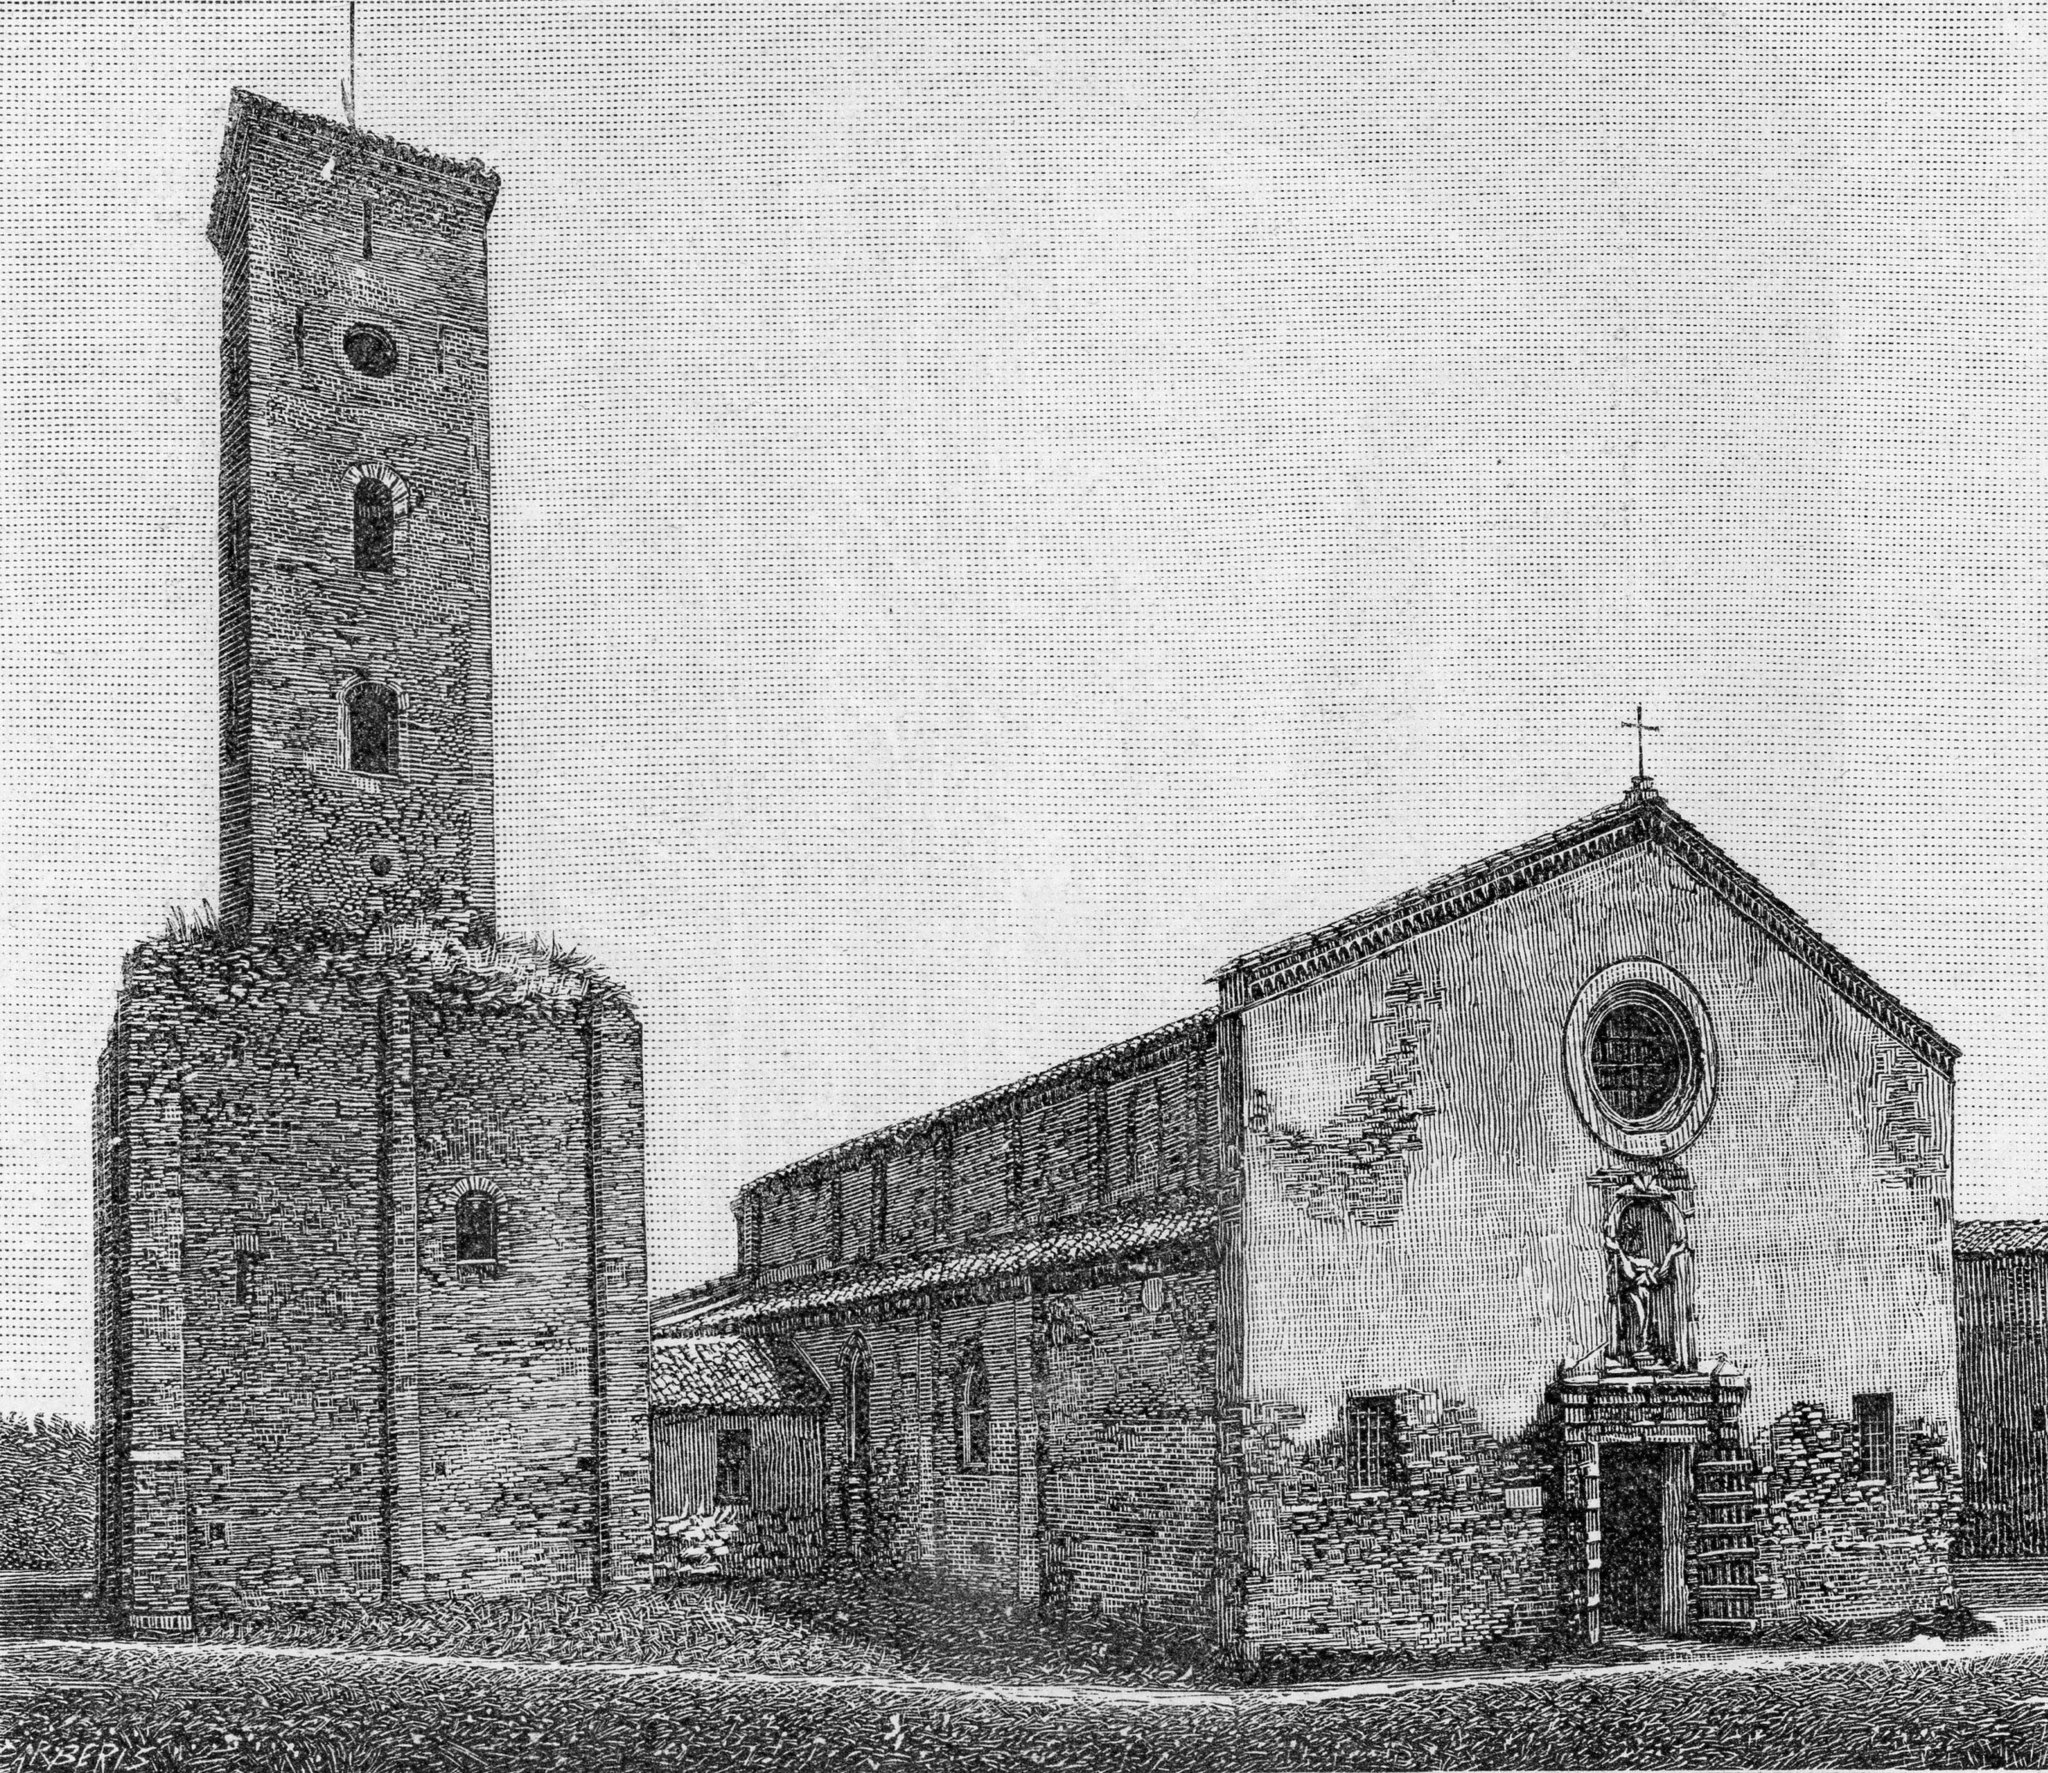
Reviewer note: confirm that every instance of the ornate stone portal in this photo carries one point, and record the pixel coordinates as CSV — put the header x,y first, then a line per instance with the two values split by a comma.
x,y
1648,1435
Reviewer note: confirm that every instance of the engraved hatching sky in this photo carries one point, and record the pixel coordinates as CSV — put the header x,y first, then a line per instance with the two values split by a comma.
x,y
999,509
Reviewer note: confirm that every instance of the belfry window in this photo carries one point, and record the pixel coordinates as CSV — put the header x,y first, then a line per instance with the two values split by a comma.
x,y
476,1231
376,527
371,721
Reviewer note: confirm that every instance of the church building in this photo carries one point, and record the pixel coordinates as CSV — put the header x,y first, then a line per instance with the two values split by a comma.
x,y
370,1270
1561,1250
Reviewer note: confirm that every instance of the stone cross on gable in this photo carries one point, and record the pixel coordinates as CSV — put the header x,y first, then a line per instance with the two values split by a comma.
x,y
1640,728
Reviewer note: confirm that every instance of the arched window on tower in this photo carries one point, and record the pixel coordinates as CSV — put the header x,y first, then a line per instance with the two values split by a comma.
x,y
370,722
376,526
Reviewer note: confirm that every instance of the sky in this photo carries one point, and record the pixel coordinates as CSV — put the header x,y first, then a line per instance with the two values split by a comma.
x,y
1001,508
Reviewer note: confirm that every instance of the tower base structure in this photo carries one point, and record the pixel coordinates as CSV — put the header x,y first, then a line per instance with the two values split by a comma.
x,y
370,1275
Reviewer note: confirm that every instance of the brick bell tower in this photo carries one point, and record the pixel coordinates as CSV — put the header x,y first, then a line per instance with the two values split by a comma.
x,y
368,1207
355,538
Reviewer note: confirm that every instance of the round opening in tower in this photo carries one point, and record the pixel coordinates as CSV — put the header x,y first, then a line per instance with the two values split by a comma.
x,y
1645,1056
370,350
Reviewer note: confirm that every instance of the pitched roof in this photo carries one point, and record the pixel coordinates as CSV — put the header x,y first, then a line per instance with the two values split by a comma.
x,y
729,1374
1110,1064
1643,816
725,1308
2002,1237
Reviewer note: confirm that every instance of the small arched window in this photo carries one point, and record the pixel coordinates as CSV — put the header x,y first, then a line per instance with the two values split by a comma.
x,y
376,526
476,1231
971,1409
371,720
857,1384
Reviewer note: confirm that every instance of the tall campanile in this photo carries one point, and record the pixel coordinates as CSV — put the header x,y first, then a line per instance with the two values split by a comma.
x,y
368,1208
355,536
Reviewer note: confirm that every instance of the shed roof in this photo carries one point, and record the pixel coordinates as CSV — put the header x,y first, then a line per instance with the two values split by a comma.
x,y
2002,1237
720,1375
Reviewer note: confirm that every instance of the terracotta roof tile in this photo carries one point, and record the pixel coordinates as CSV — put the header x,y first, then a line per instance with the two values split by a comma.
x,y
2002,1237
726,1309
722,1374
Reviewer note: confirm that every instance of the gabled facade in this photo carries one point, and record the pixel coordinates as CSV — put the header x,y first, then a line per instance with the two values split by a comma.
x,y
1562,1248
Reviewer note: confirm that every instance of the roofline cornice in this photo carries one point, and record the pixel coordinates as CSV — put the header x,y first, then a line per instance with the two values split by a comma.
x,y
249,112
1643,818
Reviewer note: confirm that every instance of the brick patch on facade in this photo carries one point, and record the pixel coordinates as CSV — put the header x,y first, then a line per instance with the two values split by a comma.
x,y
1355,1166
1837,1544
1439,1562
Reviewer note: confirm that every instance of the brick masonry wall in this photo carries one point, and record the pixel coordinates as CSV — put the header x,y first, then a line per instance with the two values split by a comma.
x,y
237,760
301,622
1439,1563
1098,1492
878,1511
1422,1215
1126,1450
2002,1354
1837,1544
371,1419
507,1443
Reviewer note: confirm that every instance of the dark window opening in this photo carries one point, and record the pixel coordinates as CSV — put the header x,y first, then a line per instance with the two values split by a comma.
x,y
245,1277
1874,1434
370,350
972,1409
2041,1418
1371,1457
858,1387
376,527
369,246
216,1532
372,712
299,338
1642,1057
734,1481
881,1195
476,1229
